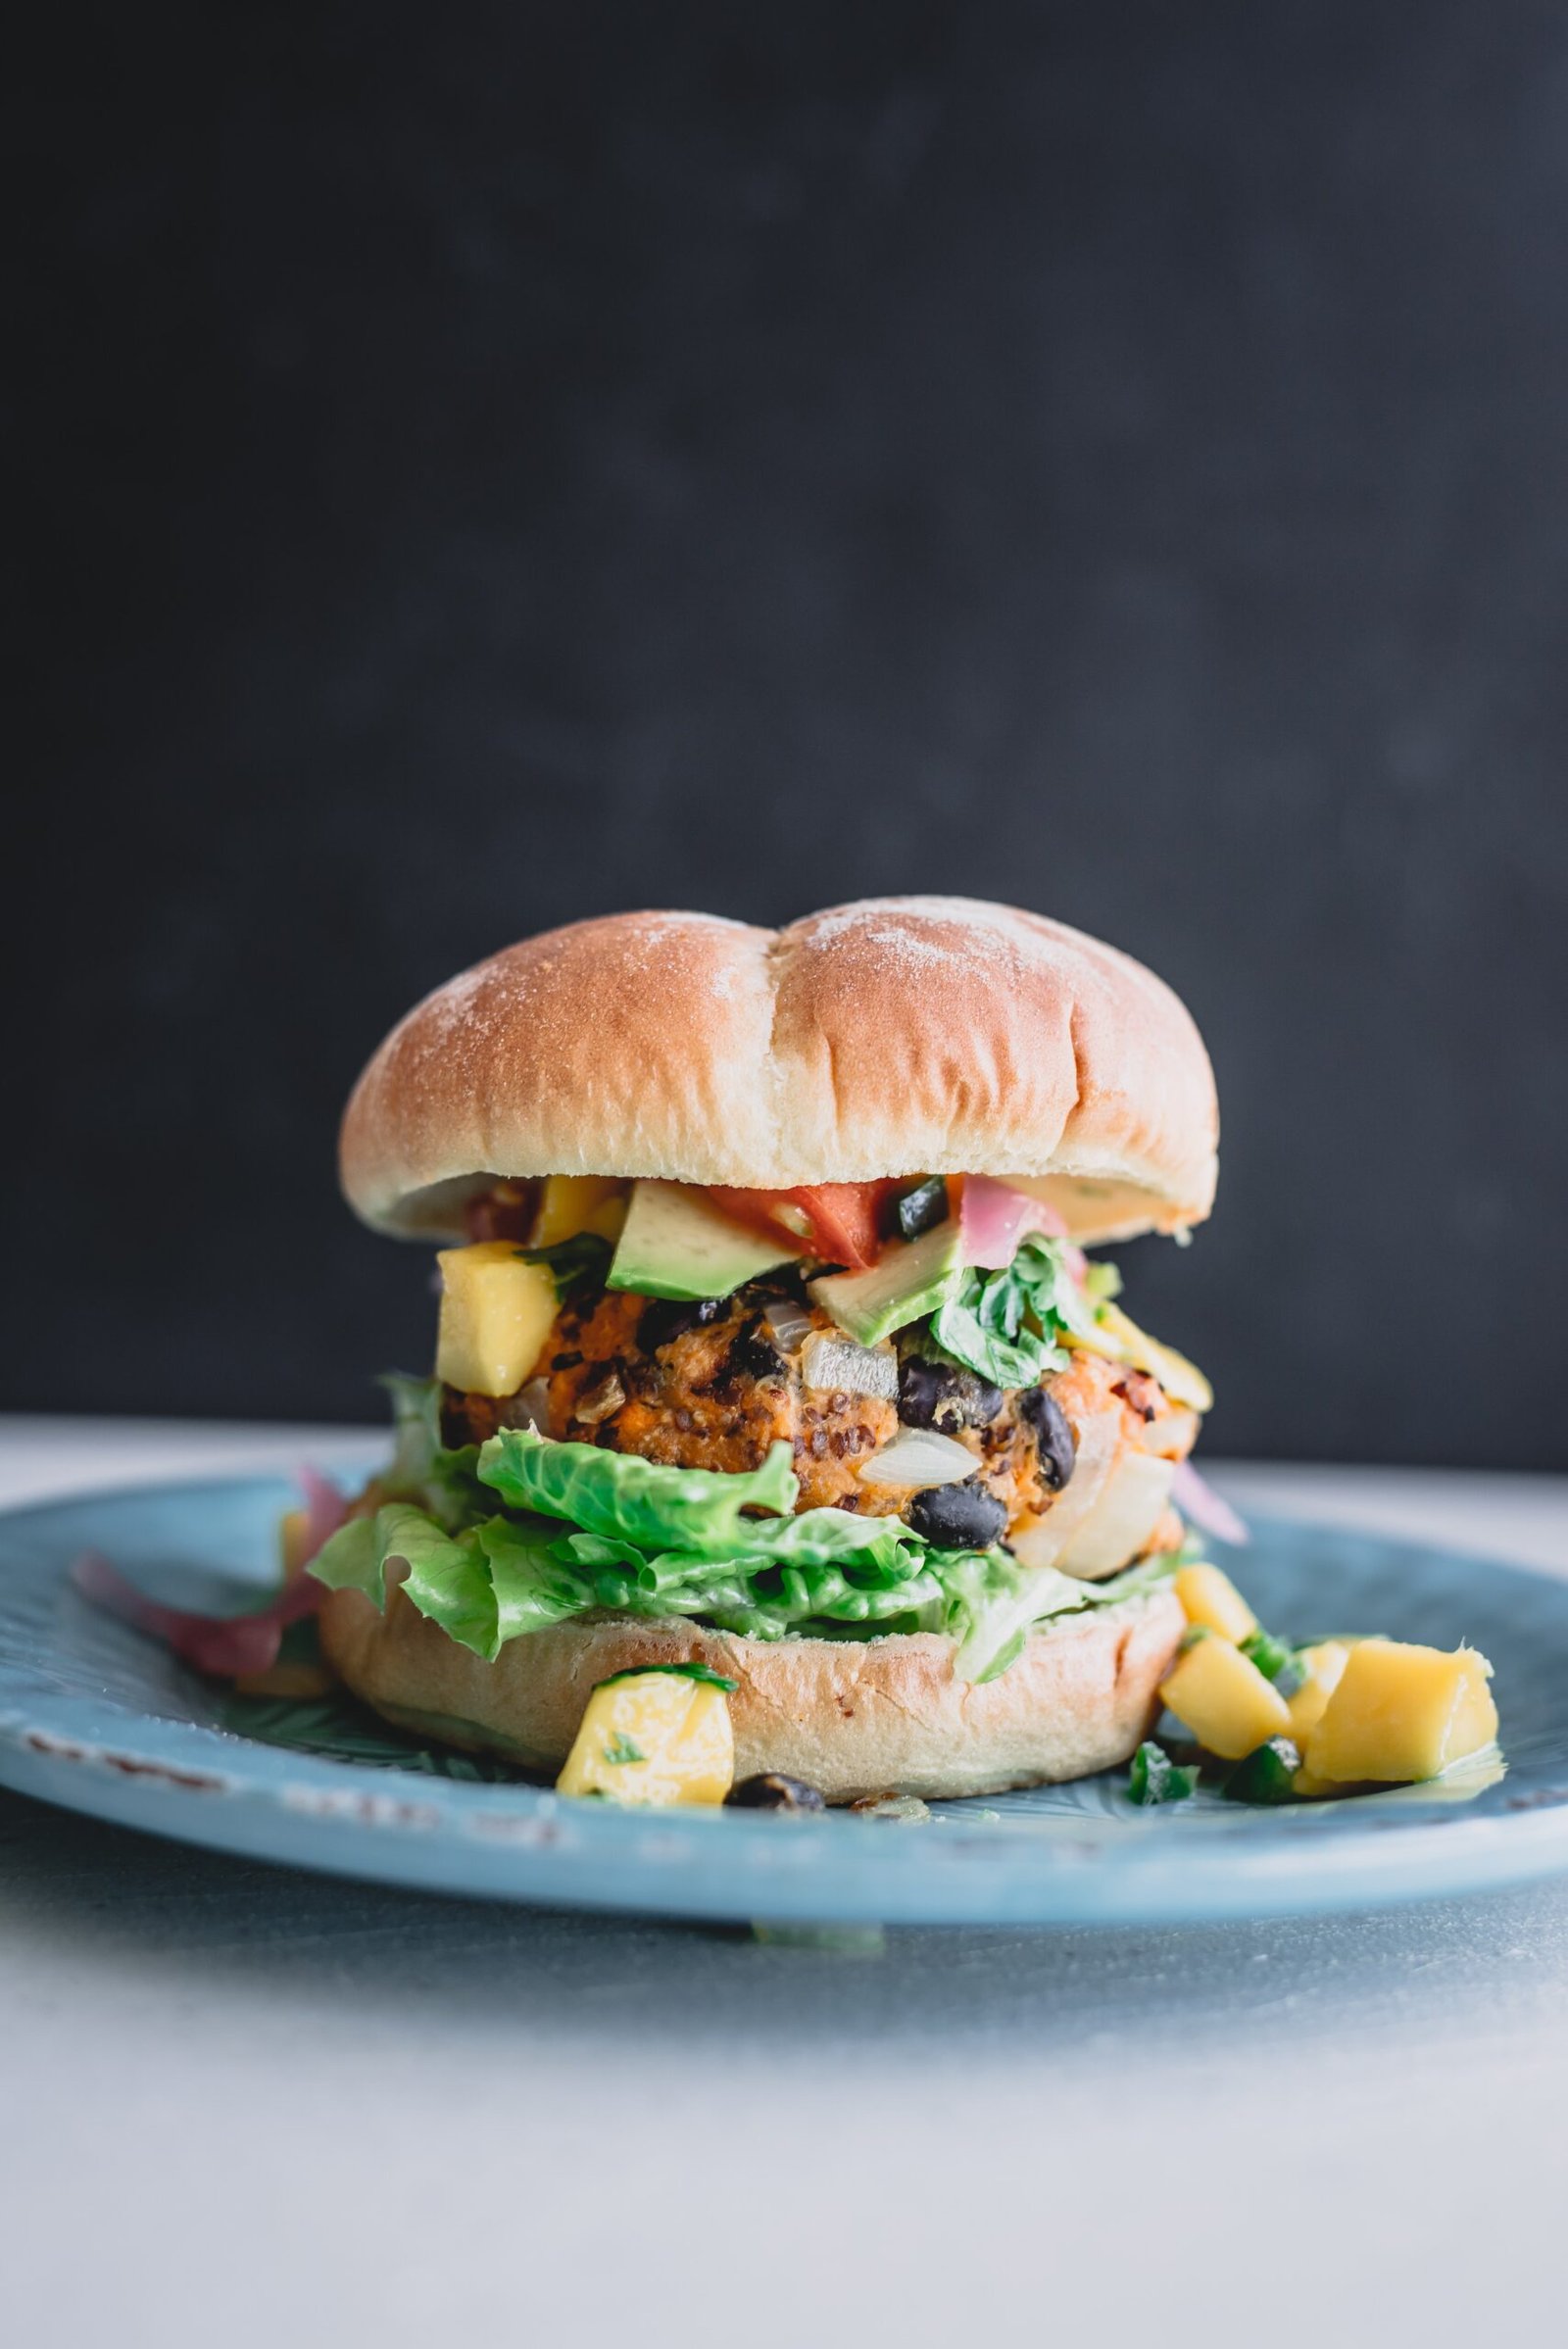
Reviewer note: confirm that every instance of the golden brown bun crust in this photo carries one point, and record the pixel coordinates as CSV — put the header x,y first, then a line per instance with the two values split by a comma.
x,y
849,1717
896,1036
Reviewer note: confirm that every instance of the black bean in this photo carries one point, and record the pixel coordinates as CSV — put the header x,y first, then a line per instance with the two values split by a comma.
x,y
939,1394
772,1790
669,1318
962,1516
751,1355
922,1208
1058,1453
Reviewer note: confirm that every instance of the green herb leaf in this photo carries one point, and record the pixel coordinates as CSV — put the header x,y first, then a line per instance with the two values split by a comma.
x,y
585,1257
1005,1325
1266,1775
1154,1777
694,1671
1276,1661
619,1750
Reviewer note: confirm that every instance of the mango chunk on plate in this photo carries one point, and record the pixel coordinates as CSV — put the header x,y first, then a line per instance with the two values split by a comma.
x,y
1321,1667
497,1310
653,1738
1210,1598
1400,1712
1224,1700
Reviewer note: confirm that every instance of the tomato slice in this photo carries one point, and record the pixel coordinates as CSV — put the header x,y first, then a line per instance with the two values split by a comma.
x,y
841,1222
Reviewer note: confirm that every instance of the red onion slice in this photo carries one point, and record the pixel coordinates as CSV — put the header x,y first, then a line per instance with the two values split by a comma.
x,y
226,1646
994,1218
325,1509
1202,1504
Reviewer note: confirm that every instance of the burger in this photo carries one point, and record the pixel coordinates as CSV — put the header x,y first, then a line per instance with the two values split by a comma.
x,y
781,1426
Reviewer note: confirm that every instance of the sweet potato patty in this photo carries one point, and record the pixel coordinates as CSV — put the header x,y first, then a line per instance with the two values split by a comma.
x,y
709,1385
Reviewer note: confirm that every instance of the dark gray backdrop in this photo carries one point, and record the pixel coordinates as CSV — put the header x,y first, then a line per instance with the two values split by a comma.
x,y
485,465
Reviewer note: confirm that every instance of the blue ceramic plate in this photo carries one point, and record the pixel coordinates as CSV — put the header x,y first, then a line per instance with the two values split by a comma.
x,y
97,1718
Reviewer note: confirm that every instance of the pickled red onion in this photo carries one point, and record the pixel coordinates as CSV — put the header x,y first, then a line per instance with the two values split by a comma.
x,y
994,1218
325,1509
224,1646
1202,1504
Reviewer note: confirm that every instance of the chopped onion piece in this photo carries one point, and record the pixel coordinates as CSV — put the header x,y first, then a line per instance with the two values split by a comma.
x,y
534,1401
605,1399
1171,1433
918,1459
789,1324
832,1361
1135,1498
1042,1542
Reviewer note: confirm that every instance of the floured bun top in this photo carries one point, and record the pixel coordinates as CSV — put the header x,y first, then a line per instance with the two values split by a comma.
x,y
897,1036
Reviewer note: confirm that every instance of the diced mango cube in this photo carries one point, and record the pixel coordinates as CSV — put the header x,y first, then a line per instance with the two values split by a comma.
x,y
1401,1713
497,1310
654,1737
1308,1788
1322,1667
573,1203
1224,1700
1209,1598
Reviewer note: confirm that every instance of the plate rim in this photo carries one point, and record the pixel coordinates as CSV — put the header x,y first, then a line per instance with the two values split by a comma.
x,y
526,1843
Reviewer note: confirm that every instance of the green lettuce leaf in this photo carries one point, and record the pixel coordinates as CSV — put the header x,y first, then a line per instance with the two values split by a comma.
x,y
824,1574
698,1510
996,1603
531,1585
447,1579
442,1482
416,1430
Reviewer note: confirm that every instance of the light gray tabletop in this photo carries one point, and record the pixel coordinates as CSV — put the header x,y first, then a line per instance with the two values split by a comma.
x,y
239,2104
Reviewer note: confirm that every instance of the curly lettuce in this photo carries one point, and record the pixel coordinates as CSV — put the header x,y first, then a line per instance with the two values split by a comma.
x,y
587,1530
621,1495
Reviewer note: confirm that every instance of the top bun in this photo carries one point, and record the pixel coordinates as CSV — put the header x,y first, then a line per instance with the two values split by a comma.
x,y
895,1036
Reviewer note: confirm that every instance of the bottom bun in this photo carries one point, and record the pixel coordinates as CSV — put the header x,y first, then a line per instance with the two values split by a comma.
x,y
852,1717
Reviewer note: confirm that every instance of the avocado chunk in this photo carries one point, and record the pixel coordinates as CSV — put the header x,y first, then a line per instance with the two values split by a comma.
x,y
675,1244
909,1279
